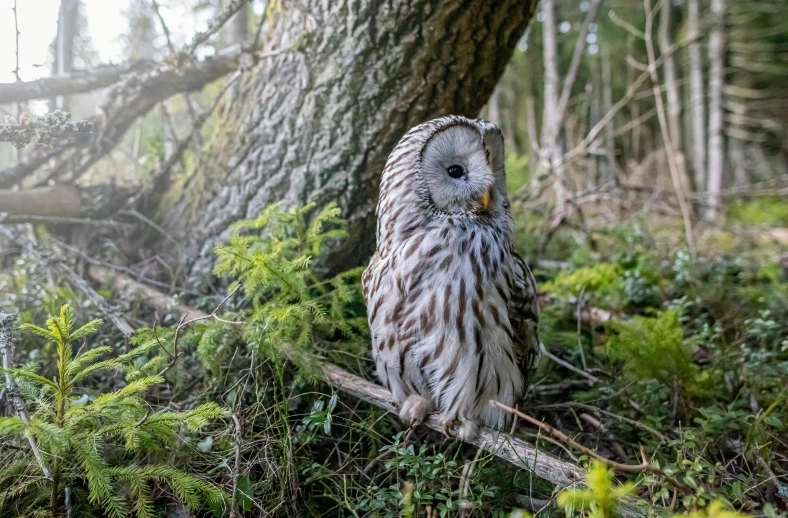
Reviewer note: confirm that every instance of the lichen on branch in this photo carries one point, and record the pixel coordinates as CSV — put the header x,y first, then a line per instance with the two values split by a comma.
x,y
47,129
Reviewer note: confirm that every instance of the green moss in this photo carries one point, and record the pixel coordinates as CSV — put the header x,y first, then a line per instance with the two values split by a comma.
x,y
770,211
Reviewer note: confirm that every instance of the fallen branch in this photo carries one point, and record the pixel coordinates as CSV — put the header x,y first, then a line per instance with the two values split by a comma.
x,y
76,82
7,327
64,202
47,129
43,256
127,288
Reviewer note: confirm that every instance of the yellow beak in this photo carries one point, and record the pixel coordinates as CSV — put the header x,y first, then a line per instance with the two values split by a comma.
x,y
485,199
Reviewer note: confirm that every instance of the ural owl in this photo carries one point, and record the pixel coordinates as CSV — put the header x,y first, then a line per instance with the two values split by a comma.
x,y
452,307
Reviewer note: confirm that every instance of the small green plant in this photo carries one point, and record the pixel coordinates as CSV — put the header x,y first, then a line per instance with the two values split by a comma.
x,y
420,480
653,347
632,279
272,259
601,499
100,452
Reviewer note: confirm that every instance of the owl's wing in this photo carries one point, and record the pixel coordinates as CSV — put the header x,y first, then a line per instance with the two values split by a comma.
x,y
367,277
524,316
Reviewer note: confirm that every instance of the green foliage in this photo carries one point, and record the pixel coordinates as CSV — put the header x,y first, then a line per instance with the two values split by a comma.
x,y
766,211
101,449
601,499
422,479
517,174
272,259
630,280
653,347
601,280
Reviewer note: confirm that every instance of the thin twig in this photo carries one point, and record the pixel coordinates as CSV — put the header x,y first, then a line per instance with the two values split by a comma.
x,y
670,150
597,410
44,256
590,377
579,322
7,327
627,468
577,55
214,25
238,437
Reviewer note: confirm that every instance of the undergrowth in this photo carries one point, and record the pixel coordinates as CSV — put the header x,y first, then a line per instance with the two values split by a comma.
x,y
691,366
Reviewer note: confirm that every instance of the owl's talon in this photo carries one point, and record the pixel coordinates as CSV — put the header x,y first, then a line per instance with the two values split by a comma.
x,y
413,410
463,429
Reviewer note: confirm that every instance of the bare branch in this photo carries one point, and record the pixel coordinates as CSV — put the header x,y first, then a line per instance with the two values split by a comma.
x,y
214,26
68,84
44,256
7,327
135,97
577,55
64,201
47,129
627,468
29,163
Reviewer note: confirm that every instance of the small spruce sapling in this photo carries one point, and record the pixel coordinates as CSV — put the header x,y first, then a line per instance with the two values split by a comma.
x,y
101,453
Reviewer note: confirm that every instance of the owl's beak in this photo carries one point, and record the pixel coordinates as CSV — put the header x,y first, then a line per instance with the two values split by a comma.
x,y
485,199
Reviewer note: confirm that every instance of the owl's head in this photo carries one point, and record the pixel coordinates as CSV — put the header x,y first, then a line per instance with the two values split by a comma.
x,y
461,168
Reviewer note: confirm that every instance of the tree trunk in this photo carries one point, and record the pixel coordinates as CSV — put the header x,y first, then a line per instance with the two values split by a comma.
x,y
672,97
237,30
315,120
697,96
67,28
551,124
716,163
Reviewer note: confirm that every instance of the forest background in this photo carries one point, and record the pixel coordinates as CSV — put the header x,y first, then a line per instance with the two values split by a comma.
x,y
201,176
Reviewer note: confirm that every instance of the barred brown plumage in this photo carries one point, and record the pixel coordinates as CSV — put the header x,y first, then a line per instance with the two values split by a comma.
x,y
452,307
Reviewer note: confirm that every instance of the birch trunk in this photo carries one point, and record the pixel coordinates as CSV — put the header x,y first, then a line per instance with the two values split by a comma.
x,y
67,28
716,163
548,154
697,97
672,97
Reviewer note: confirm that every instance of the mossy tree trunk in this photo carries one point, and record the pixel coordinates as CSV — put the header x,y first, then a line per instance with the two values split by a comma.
x,y
316,119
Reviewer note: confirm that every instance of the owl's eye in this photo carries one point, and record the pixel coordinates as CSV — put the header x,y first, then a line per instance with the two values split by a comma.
x,y
455,171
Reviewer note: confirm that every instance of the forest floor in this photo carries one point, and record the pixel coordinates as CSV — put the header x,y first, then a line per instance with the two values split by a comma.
x,y
668,367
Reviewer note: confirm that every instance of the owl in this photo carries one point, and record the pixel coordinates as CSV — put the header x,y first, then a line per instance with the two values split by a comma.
x,y
452,307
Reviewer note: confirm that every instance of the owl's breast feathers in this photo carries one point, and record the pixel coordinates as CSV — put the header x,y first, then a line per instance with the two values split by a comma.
x,y
454,304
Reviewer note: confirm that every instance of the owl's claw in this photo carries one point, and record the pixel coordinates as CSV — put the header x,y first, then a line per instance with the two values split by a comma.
x,y
413,410
463,429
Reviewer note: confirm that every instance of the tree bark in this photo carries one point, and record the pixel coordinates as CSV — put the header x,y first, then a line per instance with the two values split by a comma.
x,y
317,121
697,96
716,163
